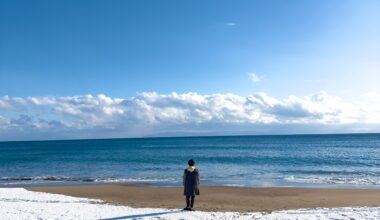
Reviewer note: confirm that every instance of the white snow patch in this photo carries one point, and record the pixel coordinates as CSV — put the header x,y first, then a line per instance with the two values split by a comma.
x,y
18,203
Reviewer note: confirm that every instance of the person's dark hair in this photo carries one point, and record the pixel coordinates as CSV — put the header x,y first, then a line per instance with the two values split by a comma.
x,y
191,162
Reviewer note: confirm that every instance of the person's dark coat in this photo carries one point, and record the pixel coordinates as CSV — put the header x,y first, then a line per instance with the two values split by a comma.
x,y
191,182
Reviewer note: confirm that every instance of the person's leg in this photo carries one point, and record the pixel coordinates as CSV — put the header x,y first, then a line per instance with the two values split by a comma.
x,y
187,201
192,201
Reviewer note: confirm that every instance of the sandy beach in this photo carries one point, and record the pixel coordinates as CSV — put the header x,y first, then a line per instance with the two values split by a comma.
x,y
222,198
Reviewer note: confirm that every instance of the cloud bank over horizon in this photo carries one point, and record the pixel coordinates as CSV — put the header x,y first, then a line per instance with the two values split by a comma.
x,y
153,114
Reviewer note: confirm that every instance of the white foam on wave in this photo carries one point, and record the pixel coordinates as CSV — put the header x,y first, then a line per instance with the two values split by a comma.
x,y
112,180
336,180
61,179
18,203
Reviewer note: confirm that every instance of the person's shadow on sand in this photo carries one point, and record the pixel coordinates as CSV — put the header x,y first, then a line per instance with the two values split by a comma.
x,y
142,215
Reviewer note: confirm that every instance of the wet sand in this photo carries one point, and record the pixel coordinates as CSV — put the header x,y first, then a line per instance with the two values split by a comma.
x,y
222,198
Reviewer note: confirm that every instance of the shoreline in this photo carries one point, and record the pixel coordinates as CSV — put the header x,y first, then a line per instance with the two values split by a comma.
x,y
222,198
166,185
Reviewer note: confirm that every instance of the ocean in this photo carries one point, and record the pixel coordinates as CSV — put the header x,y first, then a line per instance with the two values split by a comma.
x,y
336,160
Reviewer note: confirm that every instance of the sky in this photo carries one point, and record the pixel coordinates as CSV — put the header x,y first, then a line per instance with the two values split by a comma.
x,y
137,68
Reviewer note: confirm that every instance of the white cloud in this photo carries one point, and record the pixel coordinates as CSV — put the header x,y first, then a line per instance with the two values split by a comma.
x,y
150,113
3,121
230,24
254,77
369,107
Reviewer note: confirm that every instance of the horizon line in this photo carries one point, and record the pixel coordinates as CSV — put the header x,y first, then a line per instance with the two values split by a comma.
x,y
193,136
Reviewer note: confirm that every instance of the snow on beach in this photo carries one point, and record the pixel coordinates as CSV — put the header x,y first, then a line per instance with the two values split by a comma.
x,y
18,203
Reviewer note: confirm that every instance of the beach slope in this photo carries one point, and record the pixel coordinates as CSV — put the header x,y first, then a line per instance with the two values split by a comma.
x,y
223,198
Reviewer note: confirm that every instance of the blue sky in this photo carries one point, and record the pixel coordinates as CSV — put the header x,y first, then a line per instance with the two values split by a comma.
x,y
124,48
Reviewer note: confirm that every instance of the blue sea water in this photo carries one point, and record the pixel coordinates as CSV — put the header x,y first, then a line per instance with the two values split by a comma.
x,y
345,160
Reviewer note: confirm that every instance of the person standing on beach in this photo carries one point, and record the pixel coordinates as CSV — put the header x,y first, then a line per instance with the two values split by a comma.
x,y
191,184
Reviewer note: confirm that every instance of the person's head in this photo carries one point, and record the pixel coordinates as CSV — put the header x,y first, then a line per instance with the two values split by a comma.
x,y
191,162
